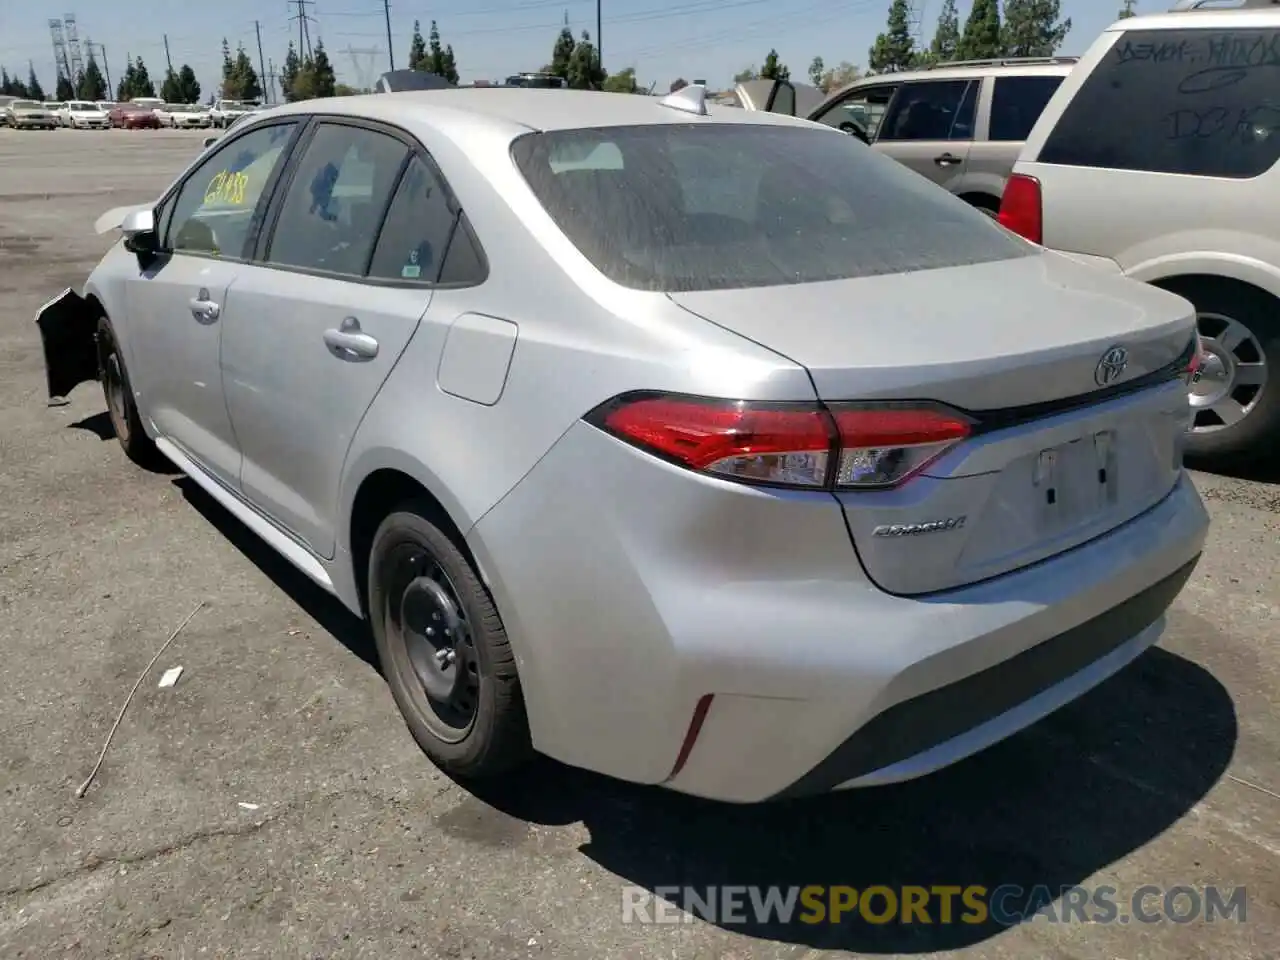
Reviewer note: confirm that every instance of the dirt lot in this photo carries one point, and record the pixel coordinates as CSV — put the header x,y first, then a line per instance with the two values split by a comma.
x,y
354,845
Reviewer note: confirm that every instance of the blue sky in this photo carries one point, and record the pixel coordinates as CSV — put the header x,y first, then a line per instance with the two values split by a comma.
x,y
662,39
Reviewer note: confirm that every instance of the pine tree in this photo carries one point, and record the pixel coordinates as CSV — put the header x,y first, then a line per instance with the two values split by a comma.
x,y
816,69
92,86
289,74
188,85
561,54
247,84
417,48
982,38
34,90
124,89
323,77
774,69
584,65
65,91
450,65
946,38
142,85
1031,28
894,49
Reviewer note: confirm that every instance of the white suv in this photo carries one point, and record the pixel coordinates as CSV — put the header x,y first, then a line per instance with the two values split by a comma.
x,y
1159,157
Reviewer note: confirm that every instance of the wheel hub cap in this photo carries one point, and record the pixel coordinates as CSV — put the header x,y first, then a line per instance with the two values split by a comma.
x,y
1232,375
433,630
1217,372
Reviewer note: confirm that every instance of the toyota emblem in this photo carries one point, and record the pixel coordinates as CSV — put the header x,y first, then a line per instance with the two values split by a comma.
x,y
1112,364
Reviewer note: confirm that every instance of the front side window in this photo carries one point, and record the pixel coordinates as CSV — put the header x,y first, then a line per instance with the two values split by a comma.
x,y
1016,105
1202,102
932,110
335,201
703,207
860,112
215,207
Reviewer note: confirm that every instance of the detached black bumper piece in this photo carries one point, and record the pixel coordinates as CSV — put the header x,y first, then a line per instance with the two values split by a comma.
x,y
921,723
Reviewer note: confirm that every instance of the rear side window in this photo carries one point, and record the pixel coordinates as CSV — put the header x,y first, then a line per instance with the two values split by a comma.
x,y
1016,105
679,207
935,110
1200,102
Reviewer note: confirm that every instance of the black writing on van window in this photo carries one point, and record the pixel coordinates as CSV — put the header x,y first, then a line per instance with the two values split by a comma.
x,y
1197,102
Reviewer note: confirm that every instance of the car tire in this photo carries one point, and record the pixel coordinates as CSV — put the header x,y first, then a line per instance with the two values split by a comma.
x,y
1236,397
121,408
465,707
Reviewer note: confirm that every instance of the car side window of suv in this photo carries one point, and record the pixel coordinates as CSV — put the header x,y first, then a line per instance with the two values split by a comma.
x,y
1198,102
215,207
932,110
336,199
1016,105
415,234
861,110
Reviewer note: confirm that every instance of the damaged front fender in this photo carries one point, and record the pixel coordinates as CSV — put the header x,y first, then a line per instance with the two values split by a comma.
x,y
69,333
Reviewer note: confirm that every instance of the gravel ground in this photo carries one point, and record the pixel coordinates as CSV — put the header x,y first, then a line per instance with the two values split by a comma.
x,y
273,804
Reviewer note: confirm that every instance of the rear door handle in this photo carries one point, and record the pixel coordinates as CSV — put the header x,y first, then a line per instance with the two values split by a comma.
x,y
946,160
349,343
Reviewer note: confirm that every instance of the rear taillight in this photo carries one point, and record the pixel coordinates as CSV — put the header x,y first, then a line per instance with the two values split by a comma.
x,y
1021,209
844,446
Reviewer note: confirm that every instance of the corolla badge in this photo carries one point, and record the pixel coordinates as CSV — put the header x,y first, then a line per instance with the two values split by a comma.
x,y
916,529
1112,364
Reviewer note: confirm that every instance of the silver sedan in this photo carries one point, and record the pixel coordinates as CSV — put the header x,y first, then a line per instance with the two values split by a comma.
x,y
694,446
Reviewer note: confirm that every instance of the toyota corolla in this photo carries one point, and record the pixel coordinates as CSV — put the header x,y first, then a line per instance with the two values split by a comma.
x,y
694,446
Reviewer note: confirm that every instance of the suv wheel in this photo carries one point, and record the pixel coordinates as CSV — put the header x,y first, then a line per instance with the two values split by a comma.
x,y
1236,396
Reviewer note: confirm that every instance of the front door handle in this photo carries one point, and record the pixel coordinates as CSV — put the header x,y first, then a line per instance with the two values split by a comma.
x,y
947,160
349,343
204,309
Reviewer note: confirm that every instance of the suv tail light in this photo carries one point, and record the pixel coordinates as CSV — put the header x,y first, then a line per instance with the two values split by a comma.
x,y
797,445
1021,208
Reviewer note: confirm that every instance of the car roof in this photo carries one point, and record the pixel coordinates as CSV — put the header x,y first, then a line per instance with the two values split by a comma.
x,y
517,110
1029,66
1205,18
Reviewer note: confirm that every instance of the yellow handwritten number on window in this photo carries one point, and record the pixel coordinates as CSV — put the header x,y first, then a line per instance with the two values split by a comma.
x,y
227,187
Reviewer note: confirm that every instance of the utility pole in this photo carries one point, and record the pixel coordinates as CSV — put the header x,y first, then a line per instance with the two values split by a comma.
x,y
271,81
105,69
599,38
262,67
1127,10
167,59
304,35
391,55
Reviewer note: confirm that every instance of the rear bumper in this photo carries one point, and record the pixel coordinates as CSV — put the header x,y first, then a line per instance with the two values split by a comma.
x,y
631,590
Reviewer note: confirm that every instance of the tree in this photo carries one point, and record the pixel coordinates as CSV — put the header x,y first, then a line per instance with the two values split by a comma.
x,y
289,74
450,65
122,88
239,79
624,81
435,52
679,83
584,66
1126,11
894,49
13,87
816,69
64,91
35,91
92,85
773,69
747,73
323,79
946,38
981,39
188,85
835,78
142,84
417,48
1032,29
561,54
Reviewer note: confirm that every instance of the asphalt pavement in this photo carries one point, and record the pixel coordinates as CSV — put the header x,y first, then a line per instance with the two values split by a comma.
x,y
272,804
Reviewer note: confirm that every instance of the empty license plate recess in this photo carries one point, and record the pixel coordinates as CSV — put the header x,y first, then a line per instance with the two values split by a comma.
x,y
1076,482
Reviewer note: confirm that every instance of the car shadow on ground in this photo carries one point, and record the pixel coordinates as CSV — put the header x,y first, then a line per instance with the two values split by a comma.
x,y
1036,814
99,424
320,605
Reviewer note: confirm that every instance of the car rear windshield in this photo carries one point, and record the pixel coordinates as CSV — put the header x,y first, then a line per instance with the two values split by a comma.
x,y
1203,102
676,207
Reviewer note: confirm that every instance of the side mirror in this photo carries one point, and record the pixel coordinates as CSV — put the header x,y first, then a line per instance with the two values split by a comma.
x,y
209,142
855,131
139,229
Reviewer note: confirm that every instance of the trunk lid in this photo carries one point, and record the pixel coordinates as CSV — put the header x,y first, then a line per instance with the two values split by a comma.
x,y
1069,446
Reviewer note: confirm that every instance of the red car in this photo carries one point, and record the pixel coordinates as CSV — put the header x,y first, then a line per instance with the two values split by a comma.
x,y
129,116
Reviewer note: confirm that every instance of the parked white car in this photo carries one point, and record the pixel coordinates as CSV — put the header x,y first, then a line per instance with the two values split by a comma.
x,y
226,112
183,116
83,115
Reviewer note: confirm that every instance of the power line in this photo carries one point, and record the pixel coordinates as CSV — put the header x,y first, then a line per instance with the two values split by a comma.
x,y
304,35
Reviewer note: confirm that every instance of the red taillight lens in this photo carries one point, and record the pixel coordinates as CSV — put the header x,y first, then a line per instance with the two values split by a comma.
x,y
1021,208
863,446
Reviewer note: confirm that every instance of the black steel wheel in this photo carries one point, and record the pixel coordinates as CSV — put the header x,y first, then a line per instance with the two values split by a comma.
x,y
443,648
